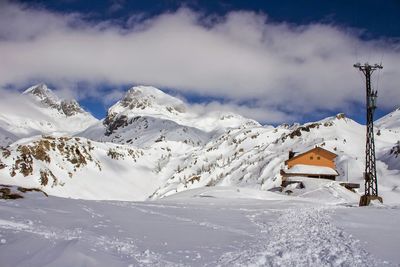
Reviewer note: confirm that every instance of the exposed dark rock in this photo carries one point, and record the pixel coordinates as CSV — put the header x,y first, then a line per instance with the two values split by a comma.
x,y
306,128
114,154
24,190
113,124
44,177
6,193
340,116
10,192
2,165
6,153
70,108
396,150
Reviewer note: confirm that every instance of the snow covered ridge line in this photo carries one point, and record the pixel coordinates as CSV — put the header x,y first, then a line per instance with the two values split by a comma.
x,y
47,97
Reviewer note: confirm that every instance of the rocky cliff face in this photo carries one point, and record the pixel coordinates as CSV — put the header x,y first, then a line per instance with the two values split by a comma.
x,y
71,108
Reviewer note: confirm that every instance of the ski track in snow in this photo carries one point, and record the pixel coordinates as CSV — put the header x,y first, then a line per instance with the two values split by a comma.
x,y
125,248
282,234
301,237
188,220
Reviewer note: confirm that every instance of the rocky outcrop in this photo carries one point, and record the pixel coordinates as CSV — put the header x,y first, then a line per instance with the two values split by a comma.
x,y
70,107
396,150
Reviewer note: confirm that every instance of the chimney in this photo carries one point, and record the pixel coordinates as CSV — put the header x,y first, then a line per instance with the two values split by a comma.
x,y
291,154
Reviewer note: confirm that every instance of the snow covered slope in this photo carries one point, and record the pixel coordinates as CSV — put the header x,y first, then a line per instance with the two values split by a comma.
x,y
145,131
390,121
6,137
253,157
80,168
38,110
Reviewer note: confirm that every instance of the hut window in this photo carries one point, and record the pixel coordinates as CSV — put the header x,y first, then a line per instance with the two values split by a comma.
x,y
318,158
311,157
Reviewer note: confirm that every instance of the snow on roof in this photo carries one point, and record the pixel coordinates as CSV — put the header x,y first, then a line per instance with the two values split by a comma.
x,y
311,169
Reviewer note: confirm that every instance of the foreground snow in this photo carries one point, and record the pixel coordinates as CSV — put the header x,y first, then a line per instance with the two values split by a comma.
x,y
204,227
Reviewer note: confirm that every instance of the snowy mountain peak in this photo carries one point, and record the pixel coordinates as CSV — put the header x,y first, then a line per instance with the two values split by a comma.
x,y
43,94
149,99
337,119
48,98
144,101
340,116
40,90
38,110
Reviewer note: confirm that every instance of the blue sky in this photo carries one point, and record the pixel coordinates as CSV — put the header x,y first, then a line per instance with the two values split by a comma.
x,y
377,18
274,61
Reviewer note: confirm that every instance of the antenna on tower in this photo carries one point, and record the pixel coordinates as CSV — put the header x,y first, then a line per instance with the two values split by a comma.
x,y
370,178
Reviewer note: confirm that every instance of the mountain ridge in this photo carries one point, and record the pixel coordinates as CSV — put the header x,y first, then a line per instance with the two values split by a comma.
x,y
139,154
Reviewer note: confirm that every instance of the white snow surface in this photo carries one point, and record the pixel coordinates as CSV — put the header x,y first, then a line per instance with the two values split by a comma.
x,y
310,169
190,230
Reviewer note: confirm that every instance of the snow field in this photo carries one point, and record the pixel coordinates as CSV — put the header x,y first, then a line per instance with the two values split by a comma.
x,y
192,230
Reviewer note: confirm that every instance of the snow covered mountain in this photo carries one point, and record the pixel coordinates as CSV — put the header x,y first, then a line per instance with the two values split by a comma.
x,y
39,111
46,96
147,115
152,102
151,145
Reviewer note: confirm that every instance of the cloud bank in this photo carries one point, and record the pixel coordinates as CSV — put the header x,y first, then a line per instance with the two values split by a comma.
x,y
284,71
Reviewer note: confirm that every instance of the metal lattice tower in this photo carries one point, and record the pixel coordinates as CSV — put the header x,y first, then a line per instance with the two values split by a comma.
x,y
370,178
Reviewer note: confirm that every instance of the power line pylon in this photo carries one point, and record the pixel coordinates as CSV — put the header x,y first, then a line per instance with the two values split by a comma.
x,y
370,178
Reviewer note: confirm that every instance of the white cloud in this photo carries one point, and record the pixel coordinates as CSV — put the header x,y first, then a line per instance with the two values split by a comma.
x,y
258,113
241,57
